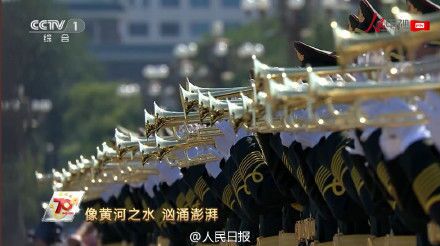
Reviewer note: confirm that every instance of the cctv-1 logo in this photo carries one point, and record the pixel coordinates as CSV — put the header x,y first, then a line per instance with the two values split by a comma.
x,y
63,206
47,25
74,25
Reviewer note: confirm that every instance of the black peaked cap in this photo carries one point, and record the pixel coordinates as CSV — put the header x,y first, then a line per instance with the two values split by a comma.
x,y
314,56
424,6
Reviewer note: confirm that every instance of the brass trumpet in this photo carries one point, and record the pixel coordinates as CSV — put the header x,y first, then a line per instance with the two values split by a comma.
x,y
189,100
242,112
265,72
148,151
354,94
192,100
193,88
219,108
124,143
188,161
43,178
350,45
150,123
205,106
172,119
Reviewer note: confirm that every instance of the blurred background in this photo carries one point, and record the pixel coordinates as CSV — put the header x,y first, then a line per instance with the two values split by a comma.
x,y
62,99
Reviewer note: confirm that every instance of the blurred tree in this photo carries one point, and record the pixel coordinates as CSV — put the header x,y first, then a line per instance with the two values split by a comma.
x,y
43,70
269,32
94,111
266,31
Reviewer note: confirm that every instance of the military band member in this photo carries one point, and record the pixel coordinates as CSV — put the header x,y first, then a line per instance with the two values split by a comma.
x,y
223,190
422,6
370,21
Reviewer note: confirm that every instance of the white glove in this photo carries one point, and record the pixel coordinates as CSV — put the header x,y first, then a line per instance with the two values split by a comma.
x,y
170,174
135,185
152,180
212,150
308,139
241,133
112,190
224,143
194,152
395,140
287,138
431,107
357,149
371,108
213,168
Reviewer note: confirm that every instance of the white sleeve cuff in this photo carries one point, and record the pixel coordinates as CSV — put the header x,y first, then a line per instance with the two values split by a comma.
x,y
394,141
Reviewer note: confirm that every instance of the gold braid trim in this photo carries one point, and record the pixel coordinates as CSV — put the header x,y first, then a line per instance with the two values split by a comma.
x,y
144,204
261,147
257,177
300,177
128,204
181,200
236,181
357,180
201,188
385,179
297,206
321,178
228,196
337,166
192,199
286,162
253,158
425,185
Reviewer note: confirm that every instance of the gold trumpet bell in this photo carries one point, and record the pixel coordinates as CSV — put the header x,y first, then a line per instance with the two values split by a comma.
x,y
264,72
148,152
188,100
260,69
236,114
66,174
192,88
166,114
108,151
123,143
42,178
166,145
219,108
72,167
80,165
203,105
150,123
100,155
120,136
57,175
87,163
169,119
